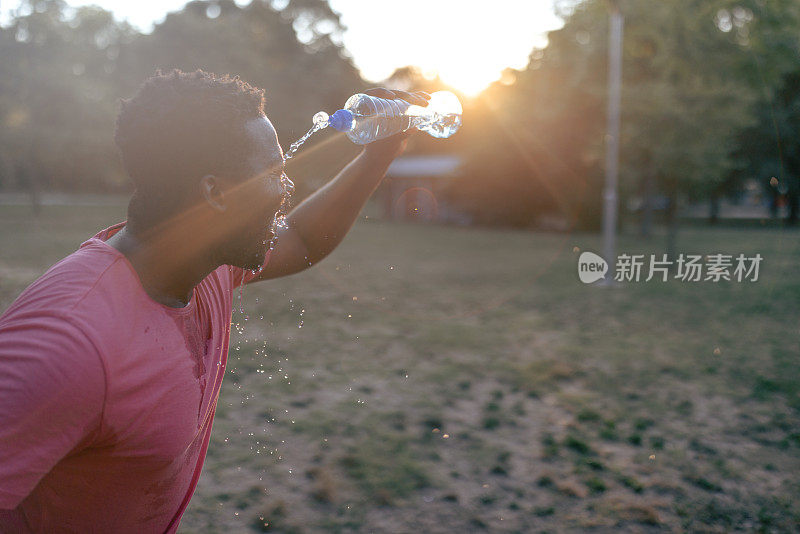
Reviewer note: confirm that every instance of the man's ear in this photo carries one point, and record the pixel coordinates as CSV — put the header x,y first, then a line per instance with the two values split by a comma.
x,y
212,192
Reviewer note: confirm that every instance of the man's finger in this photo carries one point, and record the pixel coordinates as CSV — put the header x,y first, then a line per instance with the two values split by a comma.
x,y
414,98
424,95
411,98
380,92
419,98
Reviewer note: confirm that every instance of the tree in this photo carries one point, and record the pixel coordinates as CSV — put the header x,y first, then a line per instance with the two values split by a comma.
x,y
57,97
689,85
769,151
63,72
259,44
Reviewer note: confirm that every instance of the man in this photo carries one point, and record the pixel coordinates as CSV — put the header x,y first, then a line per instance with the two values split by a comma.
x,y
111,362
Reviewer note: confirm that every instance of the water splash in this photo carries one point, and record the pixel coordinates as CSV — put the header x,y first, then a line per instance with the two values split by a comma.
x,y
287,186
279,220
320,121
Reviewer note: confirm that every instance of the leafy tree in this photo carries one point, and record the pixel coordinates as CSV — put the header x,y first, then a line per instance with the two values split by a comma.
x,y
693,72
769,151
259,44
57,97
63,72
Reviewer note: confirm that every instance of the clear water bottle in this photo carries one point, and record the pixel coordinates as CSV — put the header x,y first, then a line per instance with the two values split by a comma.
x,y
367,118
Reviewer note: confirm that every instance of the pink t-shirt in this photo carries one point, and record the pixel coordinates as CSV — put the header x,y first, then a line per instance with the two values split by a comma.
x,y
106,396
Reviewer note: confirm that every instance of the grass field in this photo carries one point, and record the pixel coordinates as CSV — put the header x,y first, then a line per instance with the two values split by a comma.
x,y
439,379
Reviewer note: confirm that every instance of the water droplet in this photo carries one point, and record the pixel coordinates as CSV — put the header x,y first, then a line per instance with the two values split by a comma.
x,y
321,118
320,121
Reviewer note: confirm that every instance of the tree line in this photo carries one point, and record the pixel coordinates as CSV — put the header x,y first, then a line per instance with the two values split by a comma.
x,y
64,71
711,100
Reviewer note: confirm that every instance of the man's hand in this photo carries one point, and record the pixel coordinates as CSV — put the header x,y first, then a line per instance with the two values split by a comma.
x,y
391,147
320,222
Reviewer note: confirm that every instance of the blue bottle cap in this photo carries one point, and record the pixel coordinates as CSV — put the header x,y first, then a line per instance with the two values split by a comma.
x,y
342,120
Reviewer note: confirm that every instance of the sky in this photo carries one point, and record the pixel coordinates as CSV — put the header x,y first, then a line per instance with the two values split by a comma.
x,y
467,42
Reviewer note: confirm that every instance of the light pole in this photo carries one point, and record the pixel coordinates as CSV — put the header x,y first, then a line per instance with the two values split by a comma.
x,y
612,138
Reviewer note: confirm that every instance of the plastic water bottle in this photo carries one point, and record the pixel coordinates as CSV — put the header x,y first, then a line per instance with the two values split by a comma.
x,y
367,118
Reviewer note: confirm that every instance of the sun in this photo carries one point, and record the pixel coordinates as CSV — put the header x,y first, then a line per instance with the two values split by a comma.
x,y
467,68
470,81
469,44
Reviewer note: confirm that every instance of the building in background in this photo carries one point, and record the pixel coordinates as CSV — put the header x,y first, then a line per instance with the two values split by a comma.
x,y
412,189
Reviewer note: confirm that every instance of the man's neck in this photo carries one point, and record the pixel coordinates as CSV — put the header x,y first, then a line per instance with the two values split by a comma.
x,y
168,273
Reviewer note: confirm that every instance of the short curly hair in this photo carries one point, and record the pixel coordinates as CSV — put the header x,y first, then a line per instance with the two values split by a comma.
x,y
177,128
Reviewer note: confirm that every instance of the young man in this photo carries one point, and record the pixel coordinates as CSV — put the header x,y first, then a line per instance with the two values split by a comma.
x,y
111,362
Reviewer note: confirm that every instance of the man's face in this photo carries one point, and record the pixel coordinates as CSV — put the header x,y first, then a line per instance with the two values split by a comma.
x,y
254,202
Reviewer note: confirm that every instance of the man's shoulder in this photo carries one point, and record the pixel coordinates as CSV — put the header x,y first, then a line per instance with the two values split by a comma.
x,y
64,285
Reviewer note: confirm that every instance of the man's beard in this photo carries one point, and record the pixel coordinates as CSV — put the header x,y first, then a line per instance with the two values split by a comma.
x,y
256,258
253,253
246,247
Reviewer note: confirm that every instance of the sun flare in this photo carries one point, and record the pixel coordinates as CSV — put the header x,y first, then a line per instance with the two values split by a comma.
x,y
469,44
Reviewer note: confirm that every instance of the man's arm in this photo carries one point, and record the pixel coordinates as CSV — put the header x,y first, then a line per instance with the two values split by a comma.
x,y
52,391
320,222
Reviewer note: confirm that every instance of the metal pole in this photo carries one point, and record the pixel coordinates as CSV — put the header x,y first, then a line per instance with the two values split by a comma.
x,y
612,140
